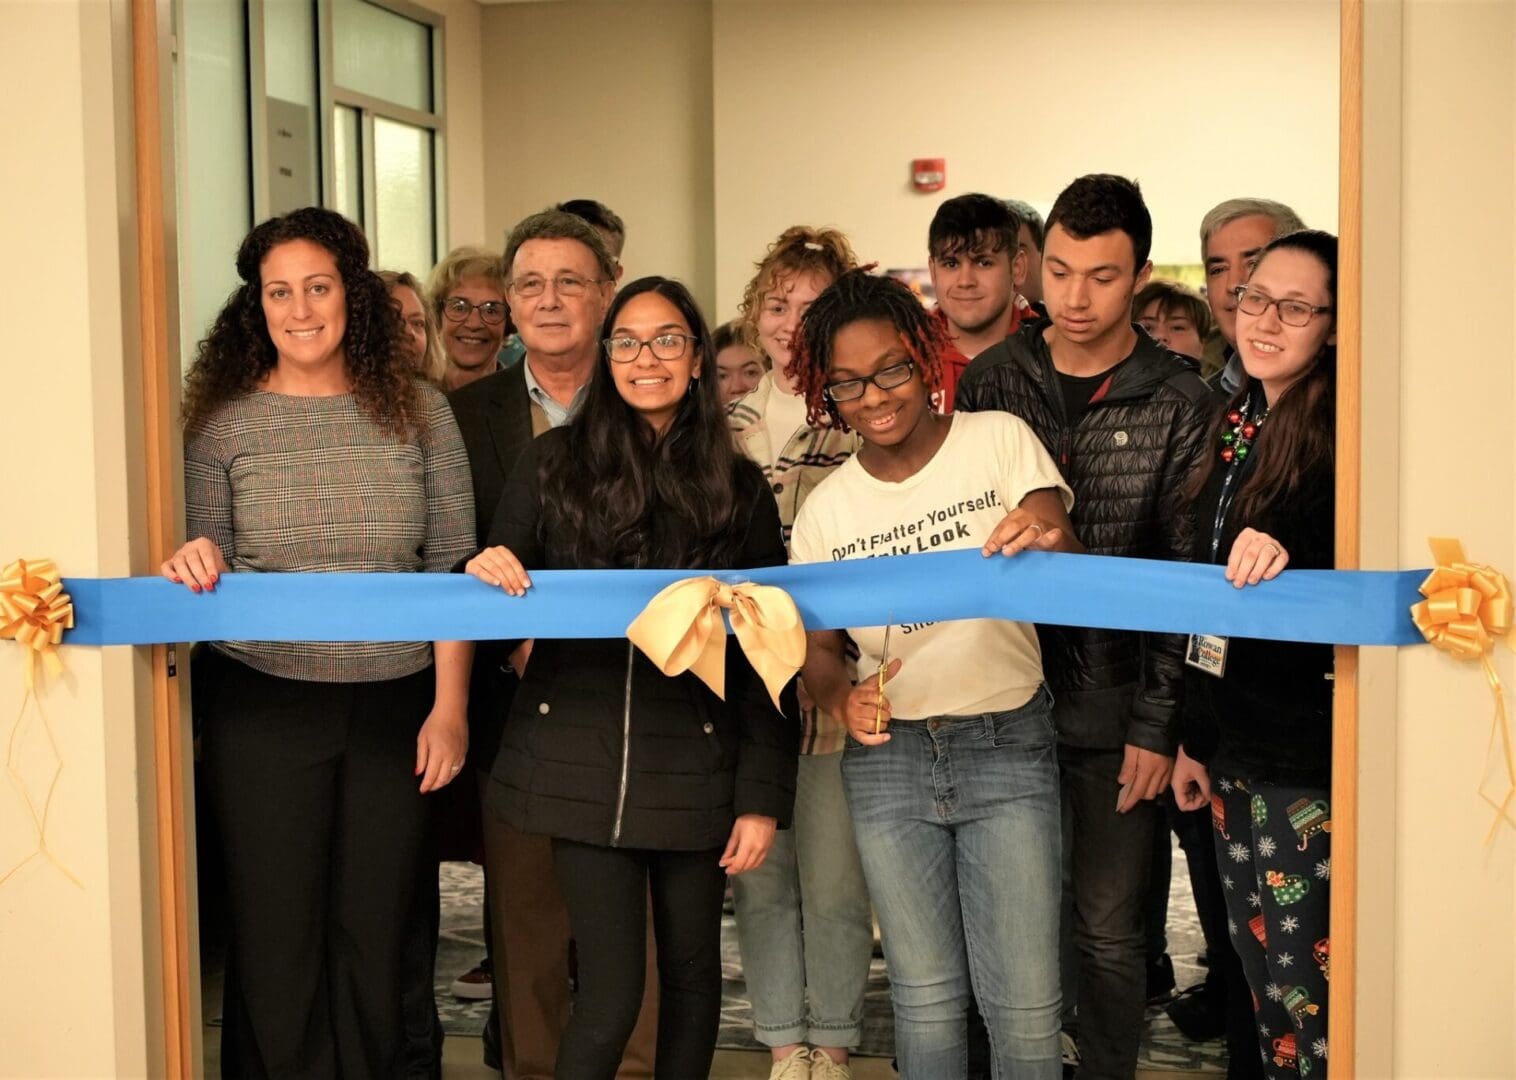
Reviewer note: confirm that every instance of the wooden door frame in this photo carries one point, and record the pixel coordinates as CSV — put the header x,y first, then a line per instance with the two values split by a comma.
x,y
153,144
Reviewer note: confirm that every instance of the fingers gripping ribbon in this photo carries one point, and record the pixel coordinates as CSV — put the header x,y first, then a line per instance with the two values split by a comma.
x,y
682,629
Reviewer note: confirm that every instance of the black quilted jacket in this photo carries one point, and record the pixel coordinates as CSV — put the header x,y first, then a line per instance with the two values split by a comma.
x,y
1128,458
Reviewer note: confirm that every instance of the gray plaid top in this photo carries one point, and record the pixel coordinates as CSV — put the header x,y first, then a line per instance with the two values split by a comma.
x,y
305,484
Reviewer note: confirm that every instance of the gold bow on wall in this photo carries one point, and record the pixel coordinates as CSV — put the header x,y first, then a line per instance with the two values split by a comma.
x,y
681,629
1466,610
34,612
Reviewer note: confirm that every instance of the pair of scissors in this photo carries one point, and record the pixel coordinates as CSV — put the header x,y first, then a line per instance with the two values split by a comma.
x,y
884,662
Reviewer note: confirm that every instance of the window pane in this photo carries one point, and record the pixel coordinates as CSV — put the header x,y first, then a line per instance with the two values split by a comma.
x,y
289,71
405,232
347,170
379,53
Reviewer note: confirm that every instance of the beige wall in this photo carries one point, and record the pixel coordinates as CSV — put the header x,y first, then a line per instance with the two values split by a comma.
x,y
712,126
607,100
1448,224
820,108
464,141
77,962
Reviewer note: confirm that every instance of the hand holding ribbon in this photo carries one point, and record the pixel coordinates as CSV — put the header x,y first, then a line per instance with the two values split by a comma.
x,y
681,629
1467,608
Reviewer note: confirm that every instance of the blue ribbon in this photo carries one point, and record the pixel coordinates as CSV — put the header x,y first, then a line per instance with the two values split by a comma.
x,y
1333,606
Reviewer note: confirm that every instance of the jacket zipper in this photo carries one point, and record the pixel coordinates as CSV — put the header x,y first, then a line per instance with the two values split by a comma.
x,y
626,750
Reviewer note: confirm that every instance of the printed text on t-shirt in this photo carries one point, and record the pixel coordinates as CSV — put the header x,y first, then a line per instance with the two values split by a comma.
x,y
936,528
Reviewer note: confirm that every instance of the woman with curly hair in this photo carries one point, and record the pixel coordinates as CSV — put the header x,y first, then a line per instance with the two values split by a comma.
x,y
951,777
312,446
803,917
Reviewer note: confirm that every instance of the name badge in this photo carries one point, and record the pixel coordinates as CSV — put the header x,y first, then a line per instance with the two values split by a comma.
x,y
1207,653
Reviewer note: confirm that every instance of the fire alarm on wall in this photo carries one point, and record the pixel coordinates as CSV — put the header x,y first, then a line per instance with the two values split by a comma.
x,y
929,174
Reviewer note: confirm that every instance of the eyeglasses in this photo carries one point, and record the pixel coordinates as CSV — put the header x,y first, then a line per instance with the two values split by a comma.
x,y
457,309
623,350
563,284
1291,312
885,378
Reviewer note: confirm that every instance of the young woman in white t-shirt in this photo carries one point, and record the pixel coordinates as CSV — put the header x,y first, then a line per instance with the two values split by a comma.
x,y
955,799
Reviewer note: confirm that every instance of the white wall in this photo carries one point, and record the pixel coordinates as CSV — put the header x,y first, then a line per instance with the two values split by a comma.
x,y
1454,896
76,997
608,100
821,106
758,114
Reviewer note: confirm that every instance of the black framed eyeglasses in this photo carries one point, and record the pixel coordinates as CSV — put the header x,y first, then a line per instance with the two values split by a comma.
x,y
563,285
885,378
623,350
457,309
1251,301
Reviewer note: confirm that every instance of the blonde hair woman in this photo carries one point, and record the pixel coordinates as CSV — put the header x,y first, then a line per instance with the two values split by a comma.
x,y
803,917
467,292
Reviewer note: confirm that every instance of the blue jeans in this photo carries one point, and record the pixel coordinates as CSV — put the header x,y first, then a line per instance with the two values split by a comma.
x,y
803,920
957,820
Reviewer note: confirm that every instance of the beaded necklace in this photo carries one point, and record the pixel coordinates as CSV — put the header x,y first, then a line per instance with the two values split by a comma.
x,y
1237,444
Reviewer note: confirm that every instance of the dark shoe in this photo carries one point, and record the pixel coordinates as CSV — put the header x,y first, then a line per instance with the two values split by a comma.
x,y
491,1040
1199,1014
1160,980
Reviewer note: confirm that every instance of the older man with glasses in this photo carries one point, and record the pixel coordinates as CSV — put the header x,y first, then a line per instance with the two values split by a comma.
x,y
559,277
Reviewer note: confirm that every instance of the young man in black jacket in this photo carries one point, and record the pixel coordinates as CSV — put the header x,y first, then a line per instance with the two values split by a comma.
x,y
1125,420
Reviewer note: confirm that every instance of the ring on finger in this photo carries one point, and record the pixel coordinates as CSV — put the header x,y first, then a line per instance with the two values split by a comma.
x,y
1038,526
457,768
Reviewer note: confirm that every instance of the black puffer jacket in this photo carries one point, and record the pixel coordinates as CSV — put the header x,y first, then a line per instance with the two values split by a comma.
x,y
1128,458
603,748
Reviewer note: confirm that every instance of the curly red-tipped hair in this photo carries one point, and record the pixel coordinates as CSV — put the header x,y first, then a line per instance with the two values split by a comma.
x,y
854,297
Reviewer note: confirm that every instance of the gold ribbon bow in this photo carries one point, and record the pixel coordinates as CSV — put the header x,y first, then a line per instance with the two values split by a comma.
x,y
34,611
1467,609
681,629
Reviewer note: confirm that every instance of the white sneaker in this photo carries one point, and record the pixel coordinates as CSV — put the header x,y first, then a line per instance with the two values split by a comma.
x,y
824,1068
793,1066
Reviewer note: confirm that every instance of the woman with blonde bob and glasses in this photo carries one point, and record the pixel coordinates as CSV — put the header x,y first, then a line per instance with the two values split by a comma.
x,y
803,918
1258,724
467,291
648,785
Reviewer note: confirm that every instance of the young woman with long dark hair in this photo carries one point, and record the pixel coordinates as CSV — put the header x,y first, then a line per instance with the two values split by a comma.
x,y
951,775
312,444
647,784
1259,740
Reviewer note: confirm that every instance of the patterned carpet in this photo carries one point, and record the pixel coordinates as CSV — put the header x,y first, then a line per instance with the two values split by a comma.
x,y
461,946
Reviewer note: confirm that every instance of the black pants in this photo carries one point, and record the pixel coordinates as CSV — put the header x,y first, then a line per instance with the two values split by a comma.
x,y
1110,856
606,891
321,826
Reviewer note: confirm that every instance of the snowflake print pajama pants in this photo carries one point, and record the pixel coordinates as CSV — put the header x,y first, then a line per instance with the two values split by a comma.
x,y
1273,844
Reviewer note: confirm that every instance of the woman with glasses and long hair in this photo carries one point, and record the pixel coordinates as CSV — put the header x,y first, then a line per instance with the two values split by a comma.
x,y
1258,744
648,785
312,446
467,291
803,918
950,772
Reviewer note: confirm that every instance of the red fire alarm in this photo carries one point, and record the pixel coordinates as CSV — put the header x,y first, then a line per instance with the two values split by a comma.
x,y
929,174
